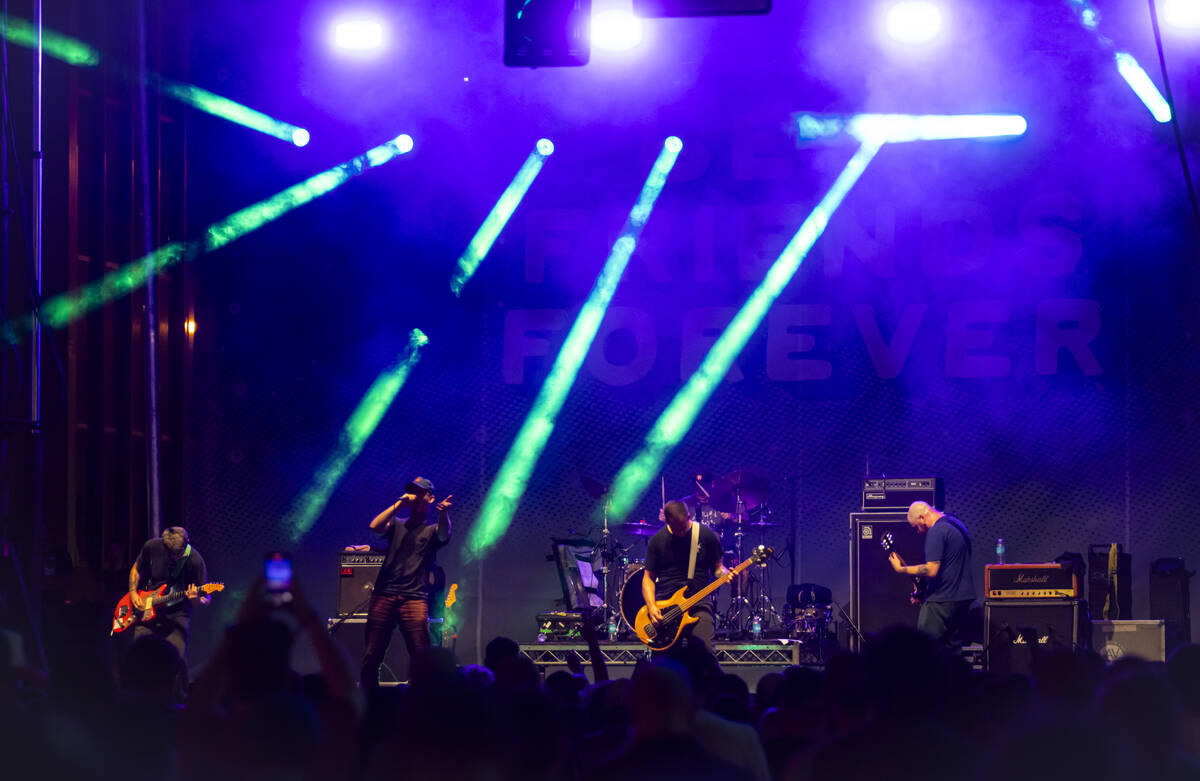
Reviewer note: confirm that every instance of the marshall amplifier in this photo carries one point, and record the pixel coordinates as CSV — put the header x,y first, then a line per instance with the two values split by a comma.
x,y
897,493
1030,581
1018,628
356,577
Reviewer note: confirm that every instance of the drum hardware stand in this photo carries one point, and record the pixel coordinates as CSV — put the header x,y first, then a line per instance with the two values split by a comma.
x,y
608,549
761,604
734,618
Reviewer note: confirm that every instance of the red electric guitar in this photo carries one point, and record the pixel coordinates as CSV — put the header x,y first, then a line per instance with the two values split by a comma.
x,y
126,615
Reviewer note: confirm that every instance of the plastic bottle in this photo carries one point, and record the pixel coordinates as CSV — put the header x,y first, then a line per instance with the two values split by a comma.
x,y
1000,551
612,628
756,627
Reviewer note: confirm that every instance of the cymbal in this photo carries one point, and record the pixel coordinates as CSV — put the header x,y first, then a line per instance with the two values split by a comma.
x,y
763,525
751,486
642,528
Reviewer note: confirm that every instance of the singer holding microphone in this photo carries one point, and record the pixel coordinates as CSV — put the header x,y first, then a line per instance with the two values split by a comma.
x,y
401,595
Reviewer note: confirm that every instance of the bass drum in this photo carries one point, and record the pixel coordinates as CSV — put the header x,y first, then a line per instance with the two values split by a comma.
x,y
631,594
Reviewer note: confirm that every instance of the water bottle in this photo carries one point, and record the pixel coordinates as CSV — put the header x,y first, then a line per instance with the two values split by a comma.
x,y
1000,551
756,627
612,628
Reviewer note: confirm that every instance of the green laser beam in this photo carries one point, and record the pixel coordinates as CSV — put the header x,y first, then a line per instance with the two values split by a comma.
x,y
61,47
510,483
485,237
231,110
72,51
68,307
362,423
675,421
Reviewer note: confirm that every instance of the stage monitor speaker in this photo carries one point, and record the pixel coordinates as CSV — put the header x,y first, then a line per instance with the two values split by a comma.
x,y
878,596
547,33
680,8
1170,599
1014,627
1098,583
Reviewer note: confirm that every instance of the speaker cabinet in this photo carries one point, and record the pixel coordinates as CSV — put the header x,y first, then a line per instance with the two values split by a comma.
x,y
1016,626
878,596
1117,639
356,577
350,636
1098,583
1170,599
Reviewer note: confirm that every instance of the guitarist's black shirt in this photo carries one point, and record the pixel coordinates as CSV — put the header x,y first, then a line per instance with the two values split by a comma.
x,y
667,557
155,568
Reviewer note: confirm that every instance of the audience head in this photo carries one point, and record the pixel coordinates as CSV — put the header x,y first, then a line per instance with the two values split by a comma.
x,y
499,649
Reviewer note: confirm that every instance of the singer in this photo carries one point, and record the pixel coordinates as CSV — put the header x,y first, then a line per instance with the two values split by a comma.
x,y
401,596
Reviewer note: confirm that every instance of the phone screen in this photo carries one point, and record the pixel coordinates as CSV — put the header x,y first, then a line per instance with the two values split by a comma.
x,y
277,572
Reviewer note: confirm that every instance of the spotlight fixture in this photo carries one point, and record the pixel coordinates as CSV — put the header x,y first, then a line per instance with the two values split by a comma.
x,y
1182,14
616,30
358,34
913,21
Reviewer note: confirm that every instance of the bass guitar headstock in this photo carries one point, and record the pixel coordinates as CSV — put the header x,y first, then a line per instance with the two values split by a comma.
x,y
762,553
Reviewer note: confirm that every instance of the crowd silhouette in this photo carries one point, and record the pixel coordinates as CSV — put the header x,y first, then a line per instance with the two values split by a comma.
x,y
901,710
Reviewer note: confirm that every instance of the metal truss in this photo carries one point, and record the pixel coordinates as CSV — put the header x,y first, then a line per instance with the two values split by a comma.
x,y
777,654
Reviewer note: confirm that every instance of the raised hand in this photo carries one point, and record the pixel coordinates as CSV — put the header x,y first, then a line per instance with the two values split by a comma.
x,y
445,504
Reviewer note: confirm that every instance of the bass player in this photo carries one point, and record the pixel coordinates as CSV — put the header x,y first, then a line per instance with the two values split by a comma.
x,y
678,547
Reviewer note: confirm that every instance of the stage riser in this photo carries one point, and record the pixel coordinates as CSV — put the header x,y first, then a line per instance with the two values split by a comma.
x,y
750,661
749,674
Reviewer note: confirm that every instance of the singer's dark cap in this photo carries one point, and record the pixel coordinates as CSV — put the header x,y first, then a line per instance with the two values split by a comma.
x,y
419,485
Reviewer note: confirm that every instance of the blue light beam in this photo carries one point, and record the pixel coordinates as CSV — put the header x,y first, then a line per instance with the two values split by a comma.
x,y
1127,65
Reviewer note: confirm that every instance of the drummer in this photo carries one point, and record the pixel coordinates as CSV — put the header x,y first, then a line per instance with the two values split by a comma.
x,y
700,503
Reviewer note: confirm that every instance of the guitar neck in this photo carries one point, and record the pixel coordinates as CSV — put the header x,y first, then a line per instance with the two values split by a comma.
x,y
168,598
716,584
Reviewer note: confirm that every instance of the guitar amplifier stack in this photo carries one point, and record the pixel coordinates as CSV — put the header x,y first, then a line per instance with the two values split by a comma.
x,y
356,579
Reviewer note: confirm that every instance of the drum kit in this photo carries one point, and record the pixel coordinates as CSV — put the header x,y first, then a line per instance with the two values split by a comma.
x,y
734,506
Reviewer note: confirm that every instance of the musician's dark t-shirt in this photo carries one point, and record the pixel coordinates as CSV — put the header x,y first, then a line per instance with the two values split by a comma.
x,y
667,557
405,570
155,568
946,543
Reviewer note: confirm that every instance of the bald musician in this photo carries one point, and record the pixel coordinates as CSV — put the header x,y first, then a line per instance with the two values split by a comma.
x,y
950,585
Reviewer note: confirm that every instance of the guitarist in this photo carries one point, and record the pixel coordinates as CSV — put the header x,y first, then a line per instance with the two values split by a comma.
x,y
173,561
950,588
668,554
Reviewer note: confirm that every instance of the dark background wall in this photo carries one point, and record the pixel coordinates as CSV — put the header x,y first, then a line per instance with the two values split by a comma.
x,y
984,255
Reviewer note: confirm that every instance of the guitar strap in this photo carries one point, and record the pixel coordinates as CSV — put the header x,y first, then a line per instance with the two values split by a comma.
x,y
695,547
178,568
957,524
